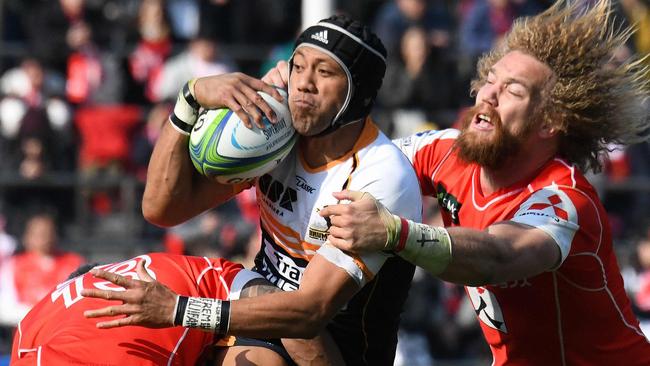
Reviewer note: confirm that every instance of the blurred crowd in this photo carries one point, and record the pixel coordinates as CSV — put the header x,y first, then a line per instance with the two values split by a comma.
x,y
85,86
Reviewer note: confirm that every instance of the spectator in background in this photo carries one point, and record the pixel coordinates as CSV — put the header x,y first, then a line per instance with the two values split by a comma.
x,y
152,48
202,57
93,76
417,84
46,27
35,121
184,17
482,27
29,275
395,17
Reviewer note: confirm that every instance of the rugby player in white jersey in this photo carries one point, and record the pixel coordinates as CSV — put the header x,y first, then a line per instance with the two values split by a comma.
x,y
334,73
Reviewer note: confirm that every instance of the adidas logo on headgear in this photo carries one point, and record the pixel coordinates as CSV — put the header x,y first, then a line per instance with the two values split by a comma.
x,y
320,36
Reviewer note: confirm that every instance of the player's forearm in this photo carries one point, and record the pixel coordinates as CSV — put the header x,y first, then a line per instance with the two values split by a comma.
x,y
503,252
303,313
479,258
279,315
461,255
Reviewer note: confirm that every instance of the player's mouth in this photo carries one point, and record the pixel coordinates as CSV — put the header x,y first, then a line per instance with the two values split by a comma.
x,y
304,103
482,122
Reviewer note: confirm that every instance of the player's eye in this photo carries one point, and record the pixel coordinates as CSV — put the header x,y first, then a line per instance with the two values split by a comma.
x,y
325,72
516,90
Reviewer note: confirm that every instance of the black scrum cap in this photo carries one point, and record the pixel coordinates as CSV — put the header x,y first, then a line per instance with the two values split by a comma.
x,y
361,55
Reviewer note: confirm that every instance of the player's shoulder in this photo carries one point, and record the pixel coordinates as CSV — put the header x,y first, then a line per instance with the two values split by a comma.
x,y
384,160
438,137
385,172
561,190
562,175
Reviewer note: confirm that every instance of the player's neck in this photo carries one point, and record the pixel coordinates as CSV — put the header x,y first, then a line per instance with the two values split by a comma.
x,y
320,150
517,169
520,167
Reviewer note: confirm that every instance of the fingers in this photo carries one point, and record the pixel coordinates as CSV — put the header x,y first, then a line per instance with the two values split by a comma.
x,y
104,294
115,323
339,243
237,103
340,233
142,272
113,277
254,99
239,93
114,310
332,210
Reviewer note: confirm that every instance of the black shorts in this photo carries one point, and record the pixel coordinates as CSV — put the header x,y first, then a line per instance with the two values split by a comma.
x,y
274,345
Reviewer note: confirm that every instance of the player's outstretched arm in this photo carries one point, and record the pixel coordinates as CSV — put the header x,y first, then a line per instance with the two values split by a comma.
x,y
302,313
505,251
174,191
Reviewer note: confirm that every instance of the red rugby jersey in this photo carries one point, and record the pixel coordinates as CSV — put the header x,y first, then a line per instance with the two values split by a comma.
x,y
55,332
575,314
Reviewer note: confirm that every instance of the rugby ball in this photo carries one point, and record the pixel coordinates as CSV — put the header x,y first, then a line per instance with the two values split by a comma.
x,y
223,148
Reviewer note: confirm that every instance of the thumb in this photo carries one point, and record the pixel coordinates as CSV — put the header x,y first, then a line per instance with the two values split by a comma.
x,y
142,272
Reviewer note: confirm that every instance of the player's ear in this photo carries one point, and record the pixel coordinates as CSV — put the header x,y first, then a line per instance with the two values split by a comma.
x,y
548,131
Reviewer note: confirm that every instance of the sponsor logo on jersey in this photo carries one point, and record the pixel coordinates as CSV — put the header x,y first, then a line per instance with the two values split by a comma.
x,y
554,203
276,194
320,36
487,309
278,268
302,184
448,202
319,230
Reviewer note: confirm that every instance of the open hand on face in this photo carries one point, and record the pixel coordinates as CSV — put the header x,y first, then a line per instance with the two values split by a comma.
x,y
145,302
237,92
359,226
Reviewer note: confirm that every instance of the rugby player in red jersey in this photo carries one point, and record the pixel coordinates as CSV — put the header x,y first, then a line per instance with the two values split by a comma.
x,y
524,230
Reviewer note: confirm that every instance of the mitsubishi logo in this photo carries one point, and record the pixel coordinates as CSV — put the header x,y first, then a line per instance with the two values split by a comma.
x,y
554,202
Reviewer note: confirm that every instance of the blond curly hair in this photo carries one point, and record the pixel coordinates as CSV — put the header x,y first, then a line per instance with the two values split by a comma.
x,y
591,102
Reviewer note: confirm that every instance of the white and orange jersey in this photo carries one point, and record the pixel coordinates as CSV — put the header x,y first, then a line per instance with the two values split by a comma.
x,y
575,314
290,198
55,331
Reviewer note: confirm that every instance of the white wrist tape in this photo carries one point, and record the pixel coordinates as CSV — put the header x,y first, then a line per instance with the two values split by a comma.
x,y
186,109
425,246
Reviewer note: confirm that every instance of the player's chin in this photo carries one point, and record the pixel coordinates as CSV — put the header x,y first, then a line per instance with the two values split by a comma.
x,y
306,125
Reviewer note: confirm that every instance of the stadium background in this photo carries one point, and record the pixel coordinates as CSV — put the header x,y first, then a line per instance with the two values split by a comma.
x,y
86,84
